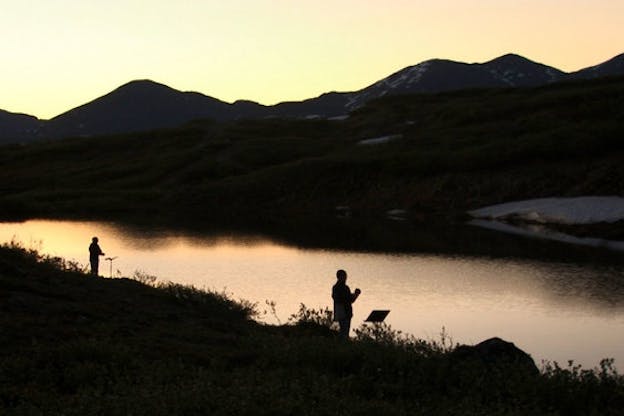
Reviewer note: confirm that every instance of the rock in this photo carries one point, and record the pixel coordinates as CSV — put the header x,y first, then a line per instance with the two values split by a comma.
x,y
495,352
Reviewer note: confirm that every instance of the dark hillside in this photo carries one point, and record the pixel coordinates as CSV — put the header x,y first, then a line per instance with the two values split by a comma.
x,y
18,127
611,68
450,152
457,151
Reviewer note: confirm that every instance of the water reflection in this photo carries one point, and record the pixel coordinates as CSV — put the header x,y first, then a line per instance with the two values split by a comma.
x,y
545,307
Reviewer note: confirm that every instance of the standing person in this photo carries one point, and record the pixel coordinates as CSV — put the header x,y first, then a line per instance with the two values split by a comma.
x,y
343,298
94,255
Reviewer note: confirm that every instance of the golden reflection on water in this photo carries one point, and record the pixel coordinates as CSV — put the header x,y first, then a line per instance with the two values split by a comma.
x,y
554,311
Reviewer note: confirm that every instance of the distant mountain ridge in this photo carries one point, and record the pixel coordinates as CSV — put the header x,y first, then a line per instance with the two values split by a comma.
x,y
145,105
438,75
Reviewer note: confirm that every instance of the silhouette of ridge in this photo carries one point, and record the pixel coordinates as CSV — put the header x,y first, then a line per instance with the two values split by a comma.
x,y
144,104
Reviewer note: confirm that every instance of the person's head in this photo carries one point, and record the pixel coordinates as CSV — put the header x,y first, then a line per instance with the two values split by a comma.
x,y
95,239
341,275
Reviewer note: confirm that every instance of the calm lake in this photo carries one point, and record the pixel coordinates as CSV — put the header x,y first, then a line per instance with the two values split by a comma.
x,y
555,311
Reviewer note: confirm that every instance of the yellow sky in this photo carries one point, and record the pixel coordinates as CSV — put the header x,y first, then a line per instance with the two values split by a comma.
x,y
58,54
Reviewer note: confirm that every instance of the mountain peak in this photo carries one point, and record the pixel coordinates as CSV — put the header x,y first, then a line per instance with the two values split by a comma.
x,y
511,60
144,85
142,82
510,57
517,71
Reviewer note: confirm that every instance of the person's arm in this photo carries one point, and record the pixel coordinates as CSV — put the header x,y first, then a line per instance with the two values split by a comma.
x,y
355,295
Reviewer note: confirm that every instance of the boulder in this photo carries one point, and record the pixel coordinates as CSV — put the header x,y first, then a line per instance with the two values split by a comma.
x,y
495,352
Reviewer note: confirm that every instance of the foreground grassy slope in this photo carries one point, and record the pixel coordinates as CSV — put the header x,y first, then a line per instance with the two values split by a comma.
x,y
458,151
72,344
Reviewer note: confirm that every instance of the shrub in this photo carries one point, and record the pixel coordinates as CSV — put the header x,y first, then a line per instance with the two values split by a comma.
x,y
322,317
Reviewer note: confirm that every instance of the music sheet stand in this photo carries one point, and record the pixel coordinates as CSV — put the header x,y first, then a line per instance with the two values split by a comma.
x,y
377,316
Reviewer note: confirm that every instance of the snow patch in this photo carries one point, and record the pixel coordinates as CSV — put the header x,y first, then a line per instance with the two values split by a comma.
x,y
339,118
380,140
410,76
581,210
539,212
406,77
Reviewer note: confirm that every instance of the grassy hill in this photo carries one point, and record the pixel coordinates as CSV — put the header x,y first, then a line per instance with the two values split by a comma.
x,y
456,151
72,344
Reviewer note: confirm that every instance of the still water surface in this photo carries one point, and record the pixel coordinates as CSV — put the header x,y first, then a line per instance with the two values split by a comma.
x,y
553,311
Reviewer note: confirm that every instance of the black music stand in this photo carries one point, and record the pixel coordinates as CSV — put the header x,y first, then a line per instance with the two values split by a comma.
x,y
377,316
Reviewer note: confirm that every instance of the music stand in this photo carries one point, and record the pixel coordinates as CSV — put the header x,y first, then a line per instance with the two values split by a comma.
x,y
377,316
111,264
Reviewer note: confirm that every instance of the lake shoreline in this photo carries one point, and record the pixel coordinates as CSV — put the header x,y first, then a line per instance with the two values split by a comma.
x,y
438,234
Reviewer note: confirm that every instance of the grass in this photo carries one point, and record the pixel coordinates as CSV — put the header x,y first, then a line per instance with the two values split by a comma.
x,y
72,344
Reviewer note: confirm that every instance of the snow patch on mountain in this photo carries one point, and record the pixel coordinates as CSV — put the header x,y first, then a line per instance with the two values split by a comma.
x,y
403,79
553,74
408,77
508,76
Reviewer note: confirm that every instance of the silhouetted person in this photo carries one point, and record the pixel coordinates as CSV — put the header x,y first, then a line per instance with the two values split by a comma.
x,y
94,255
343,298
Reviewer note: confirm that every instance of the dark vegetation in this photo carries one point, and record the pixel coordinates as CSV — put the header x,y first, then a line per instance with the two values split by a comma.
x,y
72,344
458,151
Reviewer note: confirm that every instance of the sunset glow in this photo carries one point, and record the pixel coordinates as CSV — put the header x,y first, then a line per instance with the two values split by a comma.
x,y
58,55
